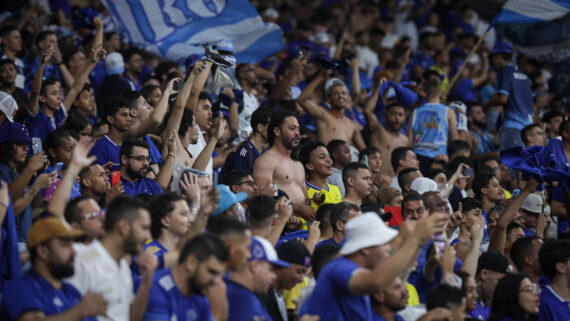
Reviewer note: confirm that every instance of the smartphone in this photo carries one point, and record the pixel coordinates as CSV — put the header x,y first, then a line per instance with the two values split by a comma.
x,y
300,53
36,145
58,166
115,178
468,172
366,160
439,243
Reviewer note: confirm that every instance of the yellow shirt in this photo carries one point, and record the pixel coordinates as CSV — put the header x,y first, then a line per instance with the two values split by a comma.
x,y
332,196
413,298
291,296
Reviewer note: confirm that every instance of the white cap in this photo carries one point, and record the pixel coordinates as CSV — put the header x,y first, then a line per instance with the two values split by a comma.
x,y
114,64
8,105
532,203
423,184
364,231
271,13
331,83
320,38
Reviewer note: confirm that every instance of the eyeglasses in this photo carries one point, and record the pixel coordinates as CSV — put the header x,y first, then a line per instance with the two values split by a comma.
x,y
92,215
140,158
250,183
533,288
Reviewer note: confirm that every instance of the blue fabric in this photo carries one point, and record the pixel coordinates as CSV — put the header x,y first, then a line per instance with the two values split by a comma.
x,y
134,86
10,267
300,234
464,89
166,302
106,151
330,241
485,144
332,300
423,286
376,317
153,152
355,114
24,220
430,130
50,71
515,84
32,292
423,60
97,75
242,158
158,250
243,304
40,125
552,306
142,186
480,312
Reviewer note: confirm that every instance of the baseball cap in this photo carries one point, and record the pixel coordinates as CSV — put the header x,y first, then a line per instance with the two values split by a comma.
x,y
293,252
48,228
262,250
114,64
8,105
532,203
423,185
387,194
14,132
502,47
332,83
493,261
228,198
271,13
364,231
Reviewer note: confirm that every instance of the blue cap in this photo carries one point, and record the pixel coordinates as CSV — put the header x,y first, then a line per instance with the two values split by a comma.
x,y
191,60
228,198
225,45
262,250
14,132
502,47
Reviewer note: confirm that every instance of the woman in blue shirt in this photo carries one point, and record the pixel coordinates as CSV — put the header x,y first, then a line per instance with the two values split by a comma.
x,y
515,299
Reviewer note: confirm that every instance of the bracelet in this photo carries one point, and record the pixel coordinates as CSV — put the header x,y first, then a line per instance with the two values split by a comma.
x,y
3,204
173,156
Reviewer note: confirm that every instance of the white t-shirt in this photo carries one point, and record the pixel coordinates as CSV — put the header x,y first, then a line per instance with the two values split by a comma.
x,y
196,149
250,104
98,272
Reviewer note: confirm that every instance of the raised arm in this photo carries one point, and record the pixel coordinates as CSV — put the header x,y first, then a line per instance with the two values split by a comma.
x,y
216,131
281,87
96,54
305,99
355,81
371,118
45,58
79,159
499,237
478,81
472,257
165,174
233,112
197,86
157,115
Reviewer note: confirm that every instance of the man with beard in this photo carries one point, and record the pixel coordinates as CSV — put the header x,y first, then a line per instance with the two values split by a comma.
x,y
275,167
178,293
480,138
41,294
246,75
102,267
389,300
388,138
135,161
317,162
331,124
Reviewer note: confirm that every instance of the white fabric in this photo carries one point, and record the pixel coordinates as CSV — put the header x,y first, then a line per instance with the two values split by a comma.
x,y
250,104
98,272
364,231
368,59
196,149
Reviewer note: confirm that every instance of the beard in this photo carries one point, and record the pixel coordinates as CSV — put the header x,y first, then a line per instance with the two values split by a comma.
x,y
195,286
131,246
290,143
61,271
480,124
133,174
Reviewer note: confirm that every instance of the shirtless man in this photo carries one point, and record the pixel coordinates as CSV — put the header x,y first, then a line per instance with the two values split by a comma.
x,y
276,166
331,124
386,139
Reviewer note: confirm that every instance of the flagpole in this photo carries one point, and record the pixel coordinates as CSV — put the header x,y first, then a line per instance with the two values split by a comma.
x,y
456,76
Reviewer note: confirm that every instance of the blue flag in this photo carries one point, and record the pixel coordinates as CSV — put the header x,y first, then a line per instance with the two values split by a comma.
x,y
539,28
171,29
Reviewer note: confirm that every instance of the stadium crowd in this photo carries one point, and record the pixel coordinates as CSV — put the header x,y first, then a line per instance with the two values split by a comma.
x,y
346,177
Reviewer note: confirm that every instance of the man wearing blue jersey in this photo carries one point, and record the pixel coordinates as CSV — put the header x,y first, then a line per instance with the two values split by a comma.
x,y
178,293
513,93
554,258
431,126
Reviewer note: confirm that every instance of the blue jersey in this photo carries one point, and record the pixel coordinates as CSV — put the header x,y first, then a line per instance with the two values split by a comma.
x,y
552,306
464,89
166,302
50,71
332,300
154,247
153,152
430,129
485,143
24,219
40,125
516,85
10,266
32,292
300,234
376,317
142,186
480,312
243,304
243,158
106,151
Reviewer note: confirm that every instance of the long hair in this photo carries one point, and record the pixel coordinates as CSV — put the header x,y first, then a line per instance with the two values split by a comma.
x,y
506,299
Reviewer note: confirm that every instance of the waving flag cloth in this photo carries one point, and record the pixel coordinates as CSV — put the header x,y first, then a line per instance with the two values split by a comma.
x,y
172,29
539,28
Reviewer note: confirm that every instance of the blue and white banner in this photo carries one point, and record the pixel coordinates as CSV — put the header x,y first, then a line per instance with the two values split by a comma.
x,y
171,29
539,28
